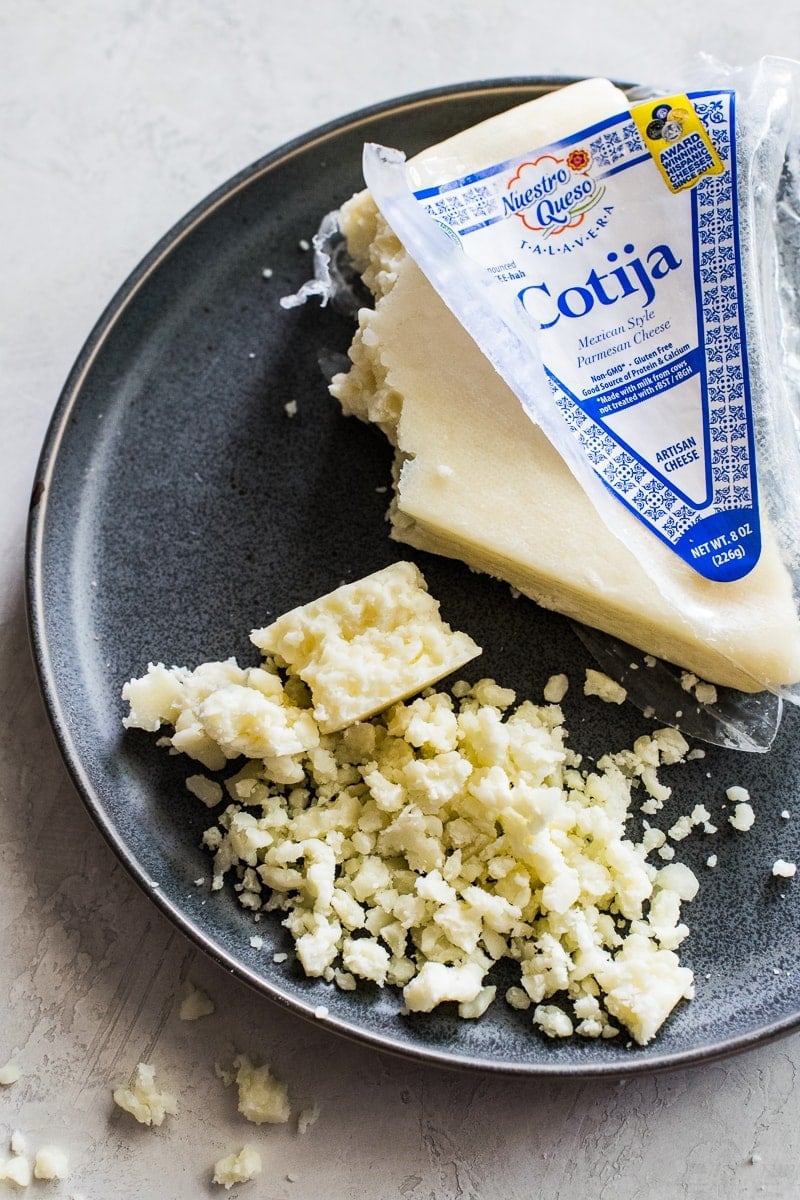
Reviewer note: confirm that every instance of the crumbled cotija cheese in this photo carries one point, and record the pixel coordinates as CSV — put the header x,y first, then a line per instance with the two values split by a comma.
x,y
447,833
17,1170
9,1074
143,1100
263,1099
195,1004
237,1168
50,1163
599,684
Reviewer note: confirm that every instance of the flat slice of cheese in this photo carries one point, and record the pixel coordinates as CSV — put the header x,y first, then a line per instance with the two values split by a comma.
x,y
477,480
367,645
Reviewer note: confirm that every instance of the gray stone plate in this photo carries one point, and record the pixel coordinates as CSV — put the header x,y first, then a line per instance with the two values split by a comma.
x,y
177,506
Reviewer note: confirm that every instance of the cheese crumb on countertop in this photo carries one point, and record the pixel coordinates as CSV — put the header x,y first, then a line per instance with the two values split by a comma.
x,y
237,1168
263,1099
143,1100
9,1074
50,1163
17,1170
195,1004
307,1117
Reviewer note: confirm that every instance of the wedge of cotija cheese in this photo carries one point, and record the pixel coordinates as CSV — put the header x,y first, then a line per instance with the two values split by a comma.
x,y
475,479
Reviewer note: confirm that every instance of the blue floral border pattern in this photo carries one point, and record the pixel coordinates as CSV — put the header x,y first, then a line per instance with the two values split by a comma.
x,y
721,332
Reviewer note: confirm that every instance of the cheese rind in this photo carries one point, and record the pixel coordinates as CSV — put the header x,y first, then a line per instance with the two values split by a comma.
x,y
507,504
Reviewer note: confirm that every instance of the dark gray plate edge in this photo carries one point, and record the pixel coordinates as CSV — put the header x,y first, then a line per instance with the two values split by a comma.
x,y
35,604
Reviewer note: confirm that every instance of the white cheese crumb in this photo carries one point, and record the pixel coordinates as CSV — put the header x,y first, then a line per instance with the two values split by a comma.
x,y
290,408
237,1168
9,1074
280,957
257,942
556,689
737,795
321,1012
18,1143
552,1020
787,816
195,1004
50,1163
743,817
143,1100
266,272
206,790
304,244
307,1117
603,686
785,869
263,1099
17,1170
711,861
419,847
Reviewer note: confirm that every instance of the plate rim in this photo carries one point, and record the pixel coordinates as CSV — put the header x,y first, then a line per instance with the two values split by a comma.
x,y
45,671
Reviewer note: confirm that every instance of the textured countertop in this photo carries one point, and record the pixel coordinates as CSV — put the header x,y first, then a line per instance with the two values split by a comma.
x,y
115,118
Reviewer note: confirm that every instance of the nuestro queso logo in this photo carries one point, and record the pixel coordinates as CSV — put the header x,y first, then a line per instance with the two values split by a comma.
x,y
551,195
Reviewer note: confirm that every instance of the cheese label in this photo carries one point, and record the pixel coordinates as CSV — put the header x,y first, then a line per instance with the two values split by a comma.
x,y
677,139
632,291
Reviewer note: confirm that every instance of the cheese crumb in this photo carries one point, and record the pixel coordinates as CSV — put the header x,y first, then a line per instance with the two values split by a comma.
x,y
17,1170
206,790
9,1074
556,689
263,1099
143,1100
50,1163
742,817
307,1117
784,869
607,689
195,1004
237,1168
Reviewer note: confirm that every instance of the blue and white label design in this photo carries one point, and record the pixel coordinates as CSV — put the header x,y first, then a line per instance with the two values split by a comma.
x,y
618,249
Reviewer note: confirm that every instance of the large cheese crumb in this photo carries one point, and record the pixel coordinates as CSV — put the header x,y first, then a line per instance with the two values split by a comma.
x,y
599,684
143,1100
50,1163
263,1099
237,1168
367,645
17,1170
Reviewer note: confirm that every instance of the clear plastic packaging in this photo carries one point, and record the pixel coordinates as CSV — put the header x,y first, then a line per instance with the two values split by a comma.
x,y
764,160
